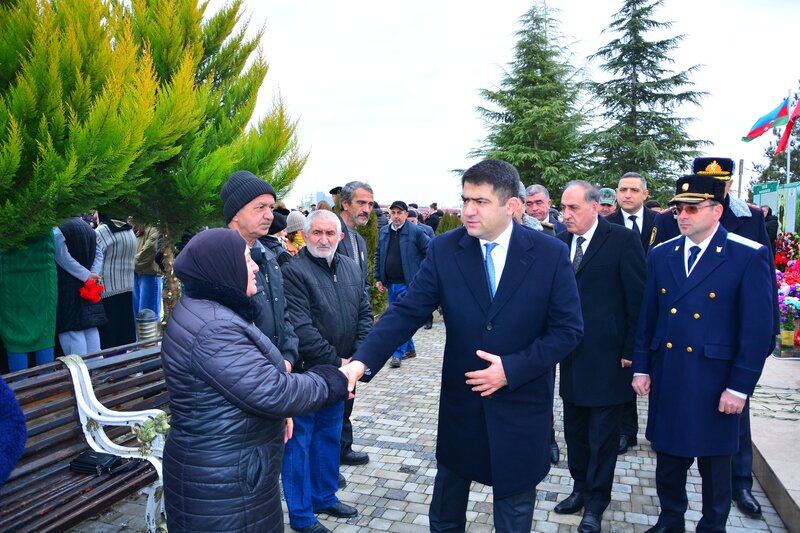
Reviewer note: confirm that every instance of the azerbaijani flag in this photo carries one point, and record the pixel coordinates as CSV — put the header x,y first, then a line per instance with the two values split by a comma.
x,y
777,117
788,131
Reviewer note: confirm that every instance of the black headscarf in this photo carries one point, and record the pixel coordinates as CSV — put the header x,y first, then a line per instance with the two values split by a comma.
x,y
214,256
212,267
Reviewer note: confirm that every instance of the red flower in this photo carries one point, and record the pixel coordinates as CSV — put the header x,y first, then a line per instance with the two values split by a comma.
x,y
91,291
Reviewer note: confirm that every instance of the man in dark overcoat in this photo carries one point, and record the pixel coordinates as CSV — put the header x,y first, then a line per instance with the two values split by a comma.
x,y
495,408
740,218
595,377
704,330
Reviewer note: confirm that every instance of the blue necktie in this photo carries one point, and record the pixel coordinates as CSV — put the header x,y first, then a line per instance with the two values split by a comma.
x,y
693,251
490,266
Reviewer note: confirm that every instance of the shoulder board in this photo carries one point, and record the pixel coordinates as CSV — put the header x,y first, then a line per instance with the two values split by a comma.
x,y
546,223
744,240
666,242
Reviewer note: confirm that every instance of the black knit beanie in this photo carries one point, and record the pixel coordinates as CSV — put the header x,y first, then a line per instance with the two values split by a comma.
x,y
242,187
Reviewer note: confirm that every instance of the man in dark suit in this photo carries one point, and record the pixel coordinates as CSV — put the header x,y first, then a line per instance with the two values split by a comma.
x,y
495,408
741,219
537,205
356,198
595,377
631,195
698,353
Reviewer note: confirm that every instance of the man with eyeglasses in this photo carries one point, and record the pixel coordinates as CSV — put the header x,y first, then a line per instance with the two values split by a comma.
x,y
698,354
741,219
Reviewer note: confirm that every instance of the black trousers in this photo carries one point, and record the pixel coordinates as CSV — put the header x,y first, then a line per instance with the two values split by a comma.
x,y
671,473
630,419
448,511
592,435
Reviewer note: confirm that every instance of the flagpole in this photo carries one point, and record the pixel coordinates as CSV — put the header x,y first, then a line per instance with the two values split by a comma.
x,y
788,146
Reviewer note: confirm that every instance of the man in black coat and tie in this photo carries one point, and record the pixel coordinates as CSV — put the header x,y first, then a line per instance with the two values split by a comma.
x,y
609,268
631,195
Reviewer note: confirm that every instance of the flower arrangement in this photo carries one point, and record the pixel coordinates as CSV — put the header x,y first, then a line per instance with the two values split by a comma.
x,y
789,295
787,248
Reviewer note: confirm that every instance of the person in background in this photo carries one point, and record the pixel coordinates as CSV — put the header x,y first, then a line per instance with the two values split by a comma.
x,y
294,232
247,204
275,239
331,315
400,251
771,223
653,205
147,282
434,217
323,206
230,395
118,244
608,201
538,204
413,217
631,195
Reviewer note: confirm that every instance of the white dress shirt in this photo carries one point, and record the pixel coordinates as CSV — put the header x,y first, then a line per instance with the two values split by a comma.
x,y
639,218
499,253
588,236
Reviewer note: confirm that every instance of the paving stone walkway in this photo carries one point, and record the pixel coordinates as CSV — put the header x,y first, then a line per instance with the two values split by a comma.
x,y
395,422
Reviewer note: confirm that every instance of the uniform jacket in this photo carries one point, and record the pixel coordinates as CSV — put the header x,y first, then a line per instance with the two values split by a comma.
x,y
645,226
327,307
502,440
413,246
229,396
700,335
558,226
610,284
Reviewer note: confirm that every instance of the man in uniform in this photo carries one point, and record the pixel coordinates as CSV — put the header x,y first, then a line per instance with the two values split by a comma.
x,y
741,219
698,354
537,205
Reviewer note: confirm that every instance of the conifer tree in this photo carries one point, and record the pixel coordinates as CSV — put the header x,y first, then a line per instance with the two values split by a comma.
x,y
641,131
535,122
82,114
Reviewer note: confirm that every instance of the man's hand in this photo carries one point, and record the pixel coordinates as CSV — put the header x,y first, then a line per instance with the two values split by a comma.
x,y
289,430
379,286
641,384
288,366
344,361
730,404
95,277
489,380
353,371
625,363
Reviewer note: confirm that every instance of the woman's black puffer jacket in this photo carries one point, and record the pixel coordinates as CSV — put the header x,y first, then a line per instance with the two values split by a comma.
x,y
229,395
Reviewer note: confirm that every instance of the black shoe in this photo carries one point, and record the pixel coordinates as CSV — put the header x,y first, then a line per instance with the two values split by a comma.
x,y
353,458
395,362
555,454
428,325
342,481
666,529
316,527
747,503
590,523
626,442
339,510
572,504
409,355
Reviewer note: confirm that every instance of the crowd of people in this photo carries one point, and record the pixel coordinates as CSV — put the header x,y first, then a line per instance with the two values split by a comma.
x,y
274,328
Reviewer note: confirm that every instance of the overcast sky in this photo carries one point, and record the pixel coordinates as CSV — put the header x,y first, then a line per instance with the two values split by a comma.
x,y
386,92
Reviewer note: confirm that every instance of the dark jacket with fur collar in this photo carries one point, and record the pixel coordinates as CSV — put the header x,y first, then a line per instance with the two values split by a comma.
x,y
229,396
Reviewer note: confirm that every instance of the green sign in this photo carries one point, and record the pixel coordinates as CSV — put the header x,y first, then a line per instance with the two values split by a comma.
x,y
763,188
792,185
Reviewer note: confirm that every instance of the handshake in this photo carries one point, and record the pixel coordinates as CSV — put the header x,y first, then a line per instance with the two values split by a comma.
x,y
352,370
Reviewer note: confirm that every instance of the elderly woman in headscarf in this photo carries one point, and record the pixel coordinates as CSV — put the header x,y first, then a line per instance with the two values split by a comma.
x,y
229,395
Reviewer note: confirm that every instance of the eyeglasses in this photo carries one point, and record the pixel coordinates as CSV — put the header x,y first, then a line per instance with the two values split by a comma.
x,y
689,208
